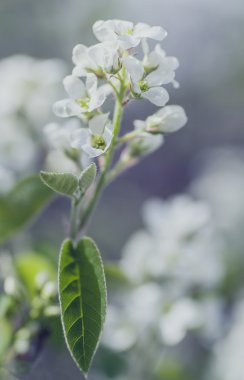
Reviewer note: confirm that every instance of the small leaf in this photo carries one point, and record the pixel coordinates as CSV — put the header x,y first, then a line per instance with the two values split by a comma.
x,y
87,177
82,292
17,207
63,183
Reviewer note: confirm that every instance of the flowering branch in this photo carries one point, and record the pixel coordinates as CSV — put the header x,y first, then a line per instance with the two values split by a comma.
x,y
107,68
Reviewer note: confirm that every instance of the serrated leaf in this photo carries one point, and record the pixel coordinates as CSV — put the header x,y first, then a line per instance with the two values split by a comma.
x,y
87,177
63,183
82,292
27,197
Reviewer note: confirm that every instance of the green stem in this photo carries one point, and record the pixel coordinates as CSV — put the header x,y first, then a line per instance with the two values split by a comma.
x,y
102,180
73,218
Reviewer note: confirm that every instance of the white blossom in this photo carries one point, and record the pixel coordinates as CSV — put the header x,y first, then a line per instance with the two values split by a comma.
x,y
96,139
29,85
168,119
126,33
83,97
146,86
99,59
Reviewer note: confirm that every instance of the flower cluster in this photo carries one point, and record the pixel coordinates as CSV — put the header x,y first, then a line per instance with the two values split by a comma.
x,y
110,67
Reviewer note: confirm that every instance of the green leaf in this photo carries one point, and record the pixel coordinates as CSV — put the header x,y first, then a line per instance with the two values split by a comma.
x,y
6,335
87,177
29,265
63,183
17,207
82,292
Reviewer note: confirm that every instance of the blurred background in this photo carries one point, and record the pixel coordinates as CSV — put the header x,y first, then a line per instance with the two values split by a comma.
x,y
205,159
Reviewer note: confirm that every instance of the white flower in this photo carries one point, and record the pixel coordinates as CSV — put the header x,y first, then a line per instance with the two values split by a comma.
x,y
119,334
126,33
184,314
61,136
29,85
167,119
83,97
97,138
98,59
17,149
179,218
160,68
143,85
145,143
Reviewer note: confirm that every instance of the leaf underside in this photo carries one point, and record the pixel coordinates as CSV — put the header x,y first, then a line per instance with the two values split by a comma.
x,y
63,183
87,177
83,299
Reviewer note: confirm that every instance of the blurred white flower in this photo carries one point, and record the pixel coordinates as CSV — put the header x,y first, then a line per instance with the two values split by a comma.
x,y
178,218
96,139
148,86
166,120
99,59
29,86
126,33
17,149
118,334
83,97
183,315
228,361
61,136
221,183
145,143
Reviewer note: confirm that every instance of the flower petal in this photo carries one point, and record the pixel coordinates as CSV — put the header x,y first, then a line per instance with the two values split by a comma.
x,y
97,124
66,108
74,87
145,31
173,118
134,68
97,100
78,53
79,138
91,84
156,95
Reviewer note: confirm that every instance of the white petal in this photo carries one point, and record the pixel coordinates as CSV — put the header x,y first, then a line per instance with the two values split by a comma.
x,y
79,71
173,118
145,31
156,95
163,75
128,42
108,135
103,31
134,68
97,124
66,108
74,87
91,84
92,152
139,124
79,138
97,99
78,53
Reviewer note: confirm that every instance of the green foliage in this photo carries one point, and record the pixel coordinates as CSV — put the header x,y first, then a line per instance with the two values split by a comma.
x,y
17,207
63,183
82,292
29,265
6,336
87,177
